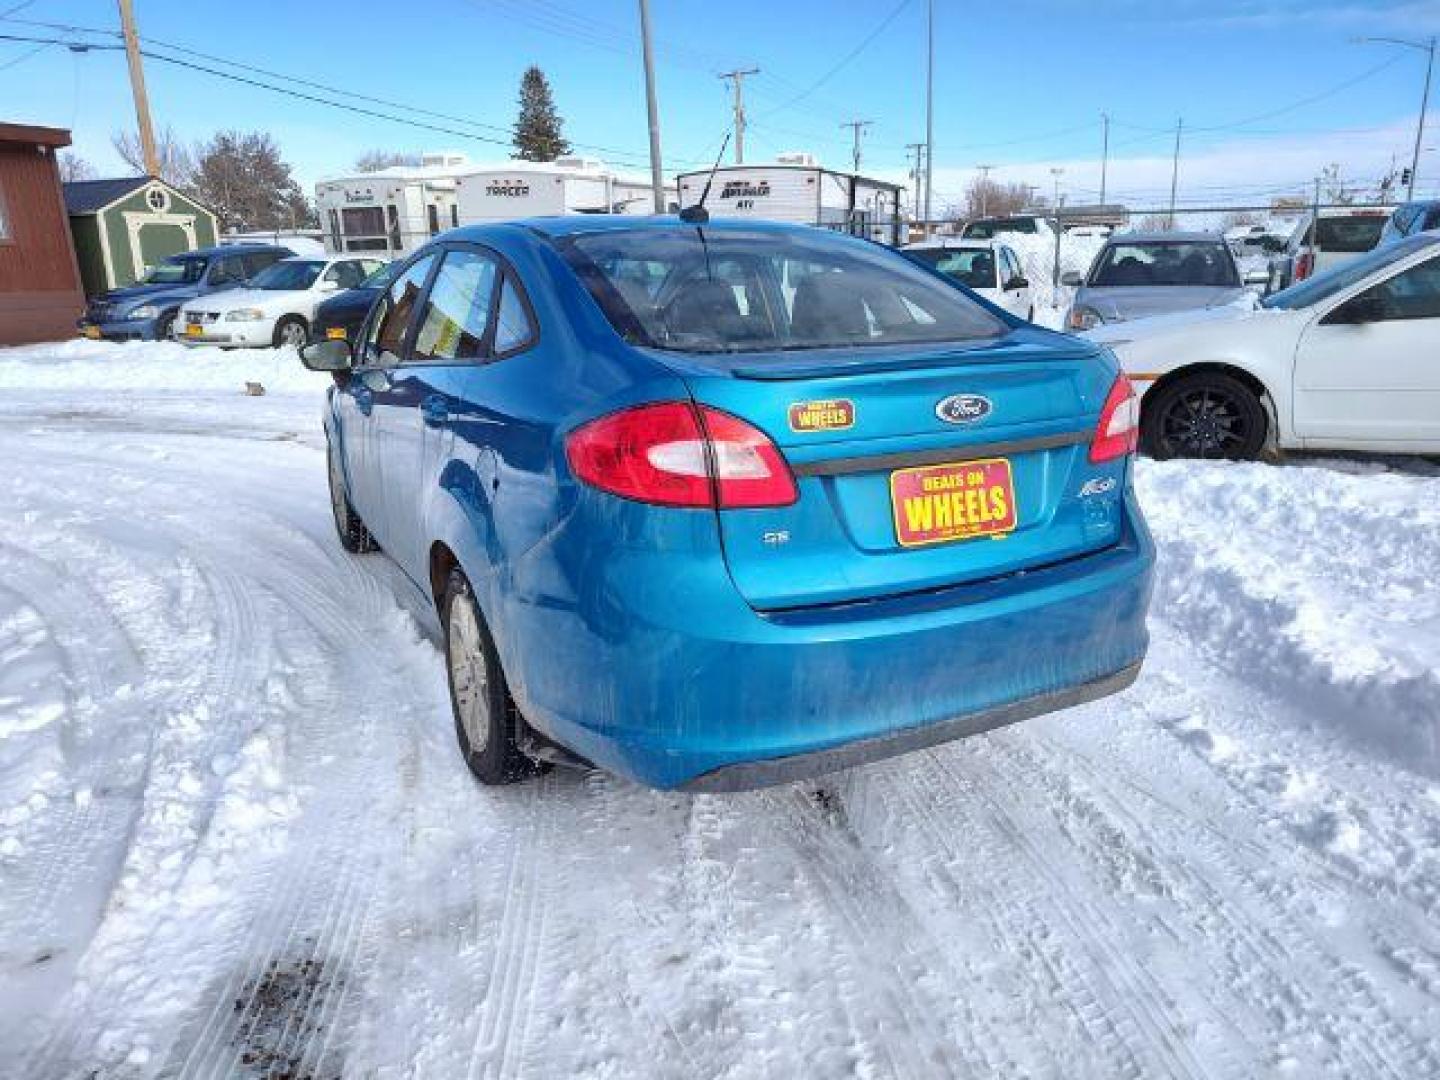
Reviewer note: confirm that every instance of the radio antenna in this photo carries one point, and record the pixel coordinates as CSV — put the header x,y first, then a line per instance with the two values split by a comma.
x,y
697,214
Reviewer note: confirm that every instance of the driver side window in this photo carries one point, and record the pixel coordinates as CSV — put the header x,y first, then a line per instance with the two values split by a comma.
x,y
1413,294
385,336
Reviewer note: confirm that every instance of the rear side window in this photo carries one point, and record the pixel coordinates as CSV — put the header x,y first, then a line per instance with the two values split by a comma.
x,y
1432,219
457,312
1351,235
513,328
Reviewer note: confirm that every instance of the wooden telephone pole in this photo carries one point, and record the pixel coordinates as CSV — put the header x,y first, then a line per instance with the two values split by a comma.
x,y
137,88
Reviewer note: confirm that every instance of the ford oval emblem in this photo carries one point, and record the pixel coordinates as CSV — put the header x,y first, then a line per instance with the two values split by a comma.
x,y
963,408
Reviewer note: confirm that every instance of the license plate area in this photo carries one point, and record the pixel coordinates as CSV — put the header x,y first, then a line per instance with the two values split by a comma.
x,y
92,332
194,329
939,504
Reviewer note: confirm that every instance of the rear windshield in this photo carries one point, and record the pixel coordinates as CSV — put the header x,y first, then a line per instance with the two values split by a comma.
x,y
989,228
1349,234
971,267
696,291
1166,263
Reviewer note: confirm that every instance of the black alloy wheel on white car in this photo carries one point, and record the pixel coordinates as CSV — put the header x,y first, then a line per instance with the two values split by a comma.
x,y
1206,415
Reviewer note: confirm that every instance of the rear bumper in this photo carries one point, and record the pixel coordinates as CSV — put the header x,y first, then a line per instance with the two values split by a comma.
x,y
746,776
661,672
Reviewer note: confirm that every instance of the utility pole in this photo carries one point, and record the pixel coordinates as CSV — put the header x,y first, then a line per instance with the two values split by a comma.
x,y
1104,155
137,88
929,106
738,77
984,189
657,175
917,172
1420,128
1175,170
856,127
1427,47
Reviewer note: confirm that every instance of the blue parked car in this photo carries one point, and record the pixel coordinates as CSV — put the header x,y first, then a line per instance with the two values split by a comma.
x,y
716,507
146,310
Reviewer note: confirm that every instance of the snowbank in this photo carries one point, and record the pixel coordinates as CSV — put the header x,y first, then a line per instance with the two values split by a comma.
x,y
152,366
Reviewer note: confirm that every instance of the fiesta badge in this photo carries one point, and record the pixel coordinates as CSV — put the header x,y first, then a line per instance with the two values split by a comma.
x,y
963,408
834,414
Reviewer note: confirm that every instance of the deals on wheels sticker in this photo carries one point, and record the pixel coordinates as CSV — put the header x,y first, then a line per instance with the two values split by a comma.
x,y
834,414
936,503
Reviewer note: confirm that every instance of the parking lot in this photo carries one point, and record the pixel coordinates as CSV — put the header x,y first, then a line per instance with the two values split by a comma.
x,y
237,839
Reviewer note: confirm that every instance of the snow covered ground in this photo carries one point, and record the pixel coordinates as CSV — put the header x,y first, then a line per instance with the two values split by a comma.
x,y
236,839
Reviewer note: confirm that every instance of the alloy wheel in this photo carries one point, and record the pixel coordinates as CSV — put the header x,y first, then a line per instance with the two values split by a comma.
x,y
469,674
1205,422
292,333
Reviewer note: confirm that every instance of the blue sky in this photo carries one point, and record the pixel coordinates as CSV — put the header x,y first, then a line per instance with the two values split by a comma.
x,y
1019,84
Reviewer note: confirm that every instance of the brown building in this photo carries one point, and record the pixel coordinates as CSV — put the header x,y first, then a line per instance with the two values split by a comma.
x,y
40,295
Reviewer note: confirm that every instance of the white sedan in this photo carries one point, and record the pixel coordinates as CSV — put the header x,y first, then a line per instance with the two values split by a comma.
x,y
1347,360
275,307
987,267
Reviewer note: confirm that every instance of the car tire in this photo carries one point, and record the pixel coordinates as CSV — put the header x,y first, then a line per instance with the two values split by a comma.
x,y
486,719
1206,415
165,326
291,330
1031,316
354,536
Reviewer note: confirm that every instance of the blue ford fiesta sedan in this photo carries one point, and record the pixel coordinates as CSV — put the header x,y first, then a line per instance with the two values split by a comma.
x,y
716,506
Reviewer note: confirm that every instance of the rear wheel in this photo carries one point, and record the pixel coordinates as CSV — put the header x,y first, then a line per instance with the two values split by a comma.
x,y
354,536
485,716
291,330
164,327
1205,415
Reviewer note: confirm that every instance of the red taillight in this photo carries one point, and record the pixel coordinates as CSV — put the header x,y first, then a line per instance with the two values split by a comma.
x,y
1304,264
1119,429
673,453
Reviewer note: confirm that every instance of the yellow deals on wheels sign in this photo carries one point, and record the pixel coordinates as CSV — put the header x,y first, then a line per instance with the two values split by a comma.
x,y
936,503
831,415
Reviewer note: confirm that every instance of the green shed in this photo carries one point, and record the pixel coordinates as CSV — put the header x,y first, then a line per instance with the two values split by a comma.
x,y
123,227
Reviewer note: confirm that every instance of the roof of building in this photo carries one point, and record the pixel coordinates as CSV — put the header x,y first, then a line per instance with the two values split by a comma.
x,y
30,133
88,196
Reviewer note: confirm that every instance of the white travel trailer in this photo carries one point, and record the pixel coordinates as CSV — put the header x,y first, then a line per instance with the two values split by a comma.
x,y
392,211
794,187
397,210
567,185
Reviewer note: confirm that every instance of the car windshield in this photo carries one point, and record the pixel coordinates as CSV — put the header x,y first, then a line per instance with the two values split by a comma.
x,y
1166,263
694,291
176,272
381,278
971,267
989,228
1329,282
287,274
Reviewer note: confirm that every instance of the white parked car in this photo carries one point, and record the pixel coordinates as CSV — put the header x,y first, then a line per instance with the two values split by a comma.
x,y
1349,360
275,307
986,267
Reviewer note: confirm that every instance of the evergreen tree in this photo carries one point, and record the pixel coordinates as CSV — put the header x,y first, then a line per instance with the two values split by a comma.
x,y
537,133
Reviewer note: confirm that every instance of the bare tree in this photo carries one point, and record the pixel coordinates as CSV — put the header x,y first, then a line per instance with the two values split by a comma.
x,y
74,167
177,160
989,198
375,160
1157,223
242,177
1237,218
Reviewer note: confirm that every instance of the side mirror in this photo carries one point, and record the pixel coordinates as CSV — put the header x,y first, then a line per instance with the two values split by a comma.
x,y
331,355
1256,277
1366,308
1072,279
1019,281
